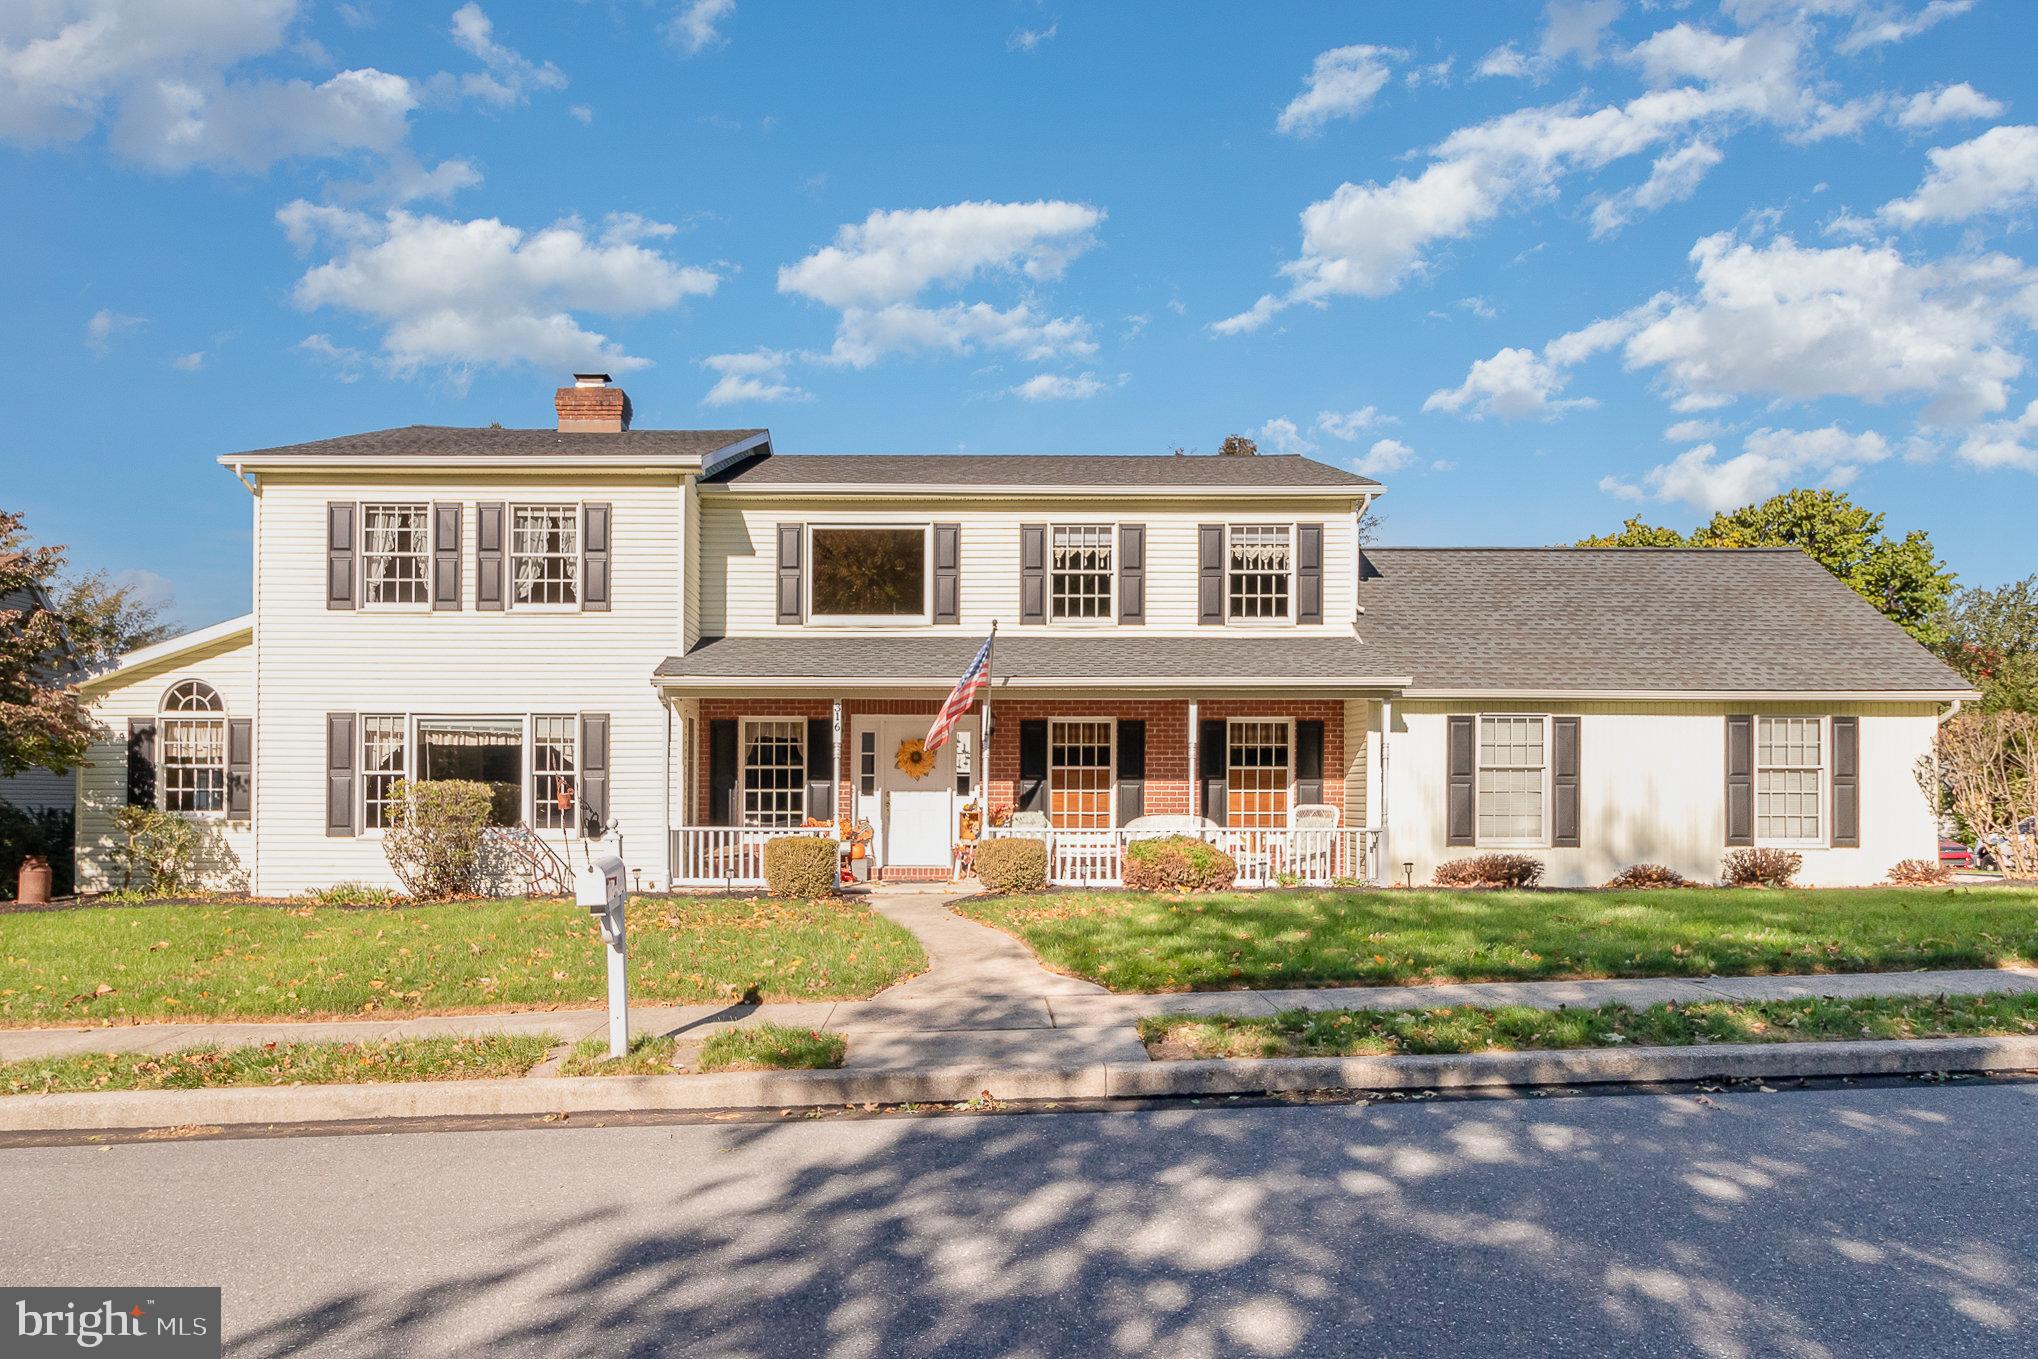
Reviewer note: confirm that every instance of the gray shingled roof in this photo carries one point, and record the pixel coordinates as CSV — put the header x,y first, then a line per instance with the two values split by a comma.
x,y
1676,619
1023,658
1264,472
458,441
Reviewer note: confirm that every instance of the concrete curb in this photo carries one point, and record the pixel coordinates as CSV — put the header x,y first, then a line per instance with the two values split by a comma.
x,y
797,1089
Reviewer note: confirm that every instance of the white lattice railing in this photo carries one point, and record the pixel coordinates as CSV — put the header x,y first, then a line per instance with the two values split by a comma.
x,y
724,856
1265,858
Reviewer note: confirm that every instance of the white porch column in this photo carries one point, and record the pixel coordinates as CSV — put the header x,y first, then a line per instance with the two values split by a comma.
x,y
835,764
1380,819
1195,774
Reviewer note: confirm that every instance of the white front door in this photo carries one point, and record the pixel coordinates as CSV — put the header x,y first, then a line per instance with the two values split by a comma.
x,y
915,818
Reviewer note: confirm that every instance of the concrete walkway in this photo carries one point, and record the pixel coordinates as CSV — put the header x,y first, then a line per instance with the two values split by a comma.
x,y
985,1001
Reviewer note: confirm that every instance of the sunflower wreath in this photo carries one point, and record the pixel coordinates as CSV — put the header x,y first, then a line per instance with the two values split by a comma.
x,y
915,760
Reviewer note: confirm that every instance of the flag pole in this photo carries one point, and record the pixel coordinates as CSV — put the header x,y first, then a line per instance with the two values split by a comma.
x,y
984,729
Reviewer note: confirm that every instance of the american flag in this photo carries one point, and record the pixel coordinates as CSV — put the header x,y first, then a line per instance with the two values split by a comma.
x,y
965,692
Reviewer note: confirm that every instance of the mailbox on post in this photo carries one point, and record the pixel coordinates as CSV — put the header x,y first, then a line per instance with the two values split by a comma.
x,y
601,885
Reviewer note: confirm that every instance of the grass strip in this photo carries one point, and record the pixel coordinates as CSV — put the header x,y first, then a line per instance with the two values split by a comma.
x,y
213,1067
1147,942
752,1047
237,961
1520,1028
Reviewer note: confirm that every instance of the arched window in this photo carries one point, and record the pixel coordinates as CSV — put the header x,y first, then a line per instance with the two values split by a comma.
x,y
193,725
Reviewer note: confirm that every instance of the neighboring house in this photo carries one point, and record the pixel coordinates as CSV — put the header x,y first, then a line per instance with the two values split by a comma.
x,y
38,790
709,643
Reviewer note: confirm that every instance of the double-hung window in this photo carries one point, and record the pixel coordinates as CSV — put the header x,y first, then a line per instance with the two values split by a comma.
x,y
1260,561
193,725
554,792
1079,573
1514,765
774,771
1079,773
383,762
1258,773
395,554
1789,779
545,554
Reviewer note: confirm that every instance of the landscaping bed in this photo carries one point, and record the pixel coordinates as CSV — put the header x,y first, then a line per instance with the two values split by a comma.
x,y
211,1067
1519,1028
239,961
1140,942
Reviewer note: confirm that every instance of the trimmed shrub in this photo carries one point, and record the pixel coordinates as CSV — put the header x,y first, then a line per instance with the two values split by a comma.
x,y
435,835
1759,867
800,867
159,851
1178,863
1013,865
1647,877
348,894
1919,873
1490,870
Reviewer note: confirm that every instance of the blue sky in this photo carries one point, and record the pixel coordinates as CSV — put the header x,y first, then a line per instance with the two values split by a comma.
x,y
1536,268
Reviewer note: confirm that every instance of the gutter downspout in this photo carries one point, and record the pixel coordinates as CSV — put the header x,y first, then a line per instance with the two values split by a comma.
x,y
1386,772
255,654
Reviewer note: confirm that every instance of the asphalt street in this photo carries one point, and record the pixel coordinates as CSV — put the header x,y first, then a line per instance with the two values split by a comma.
x,y
1850,1222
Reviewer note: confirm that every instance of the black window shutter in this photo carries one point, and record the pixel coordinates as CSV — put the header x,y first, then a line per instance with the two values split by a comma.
x,y
1132,573
240,768
1308,762
594,770
1033,573
446,557
1740,780
1213,753
1309,573
488,557
340,746
595,558
1461,803
791,571
722,772
1032,792
948,573
1210,573
340,555
141,762
1847,782
1566,828
821,768
1131,769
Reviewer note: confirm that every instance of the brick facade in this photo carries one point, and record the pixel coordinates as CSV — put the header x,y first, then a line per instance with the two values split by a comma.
x,y
1170,783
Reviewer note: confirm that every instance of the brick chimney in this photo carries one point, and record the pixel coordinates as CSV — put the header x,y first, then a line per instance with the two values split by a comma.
x,y
592,406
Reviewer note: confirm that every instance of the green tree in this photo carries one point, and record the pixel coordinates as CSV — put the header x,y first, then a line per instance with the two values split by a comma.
x,y
104,619
1237,446
43,725
1903,577
1992,640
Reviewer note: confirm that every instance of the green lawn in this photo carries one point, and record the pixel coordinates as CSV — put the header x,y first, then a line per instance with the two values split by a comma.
x,y
1465,1028
753,1047
203,1068
250,962
1137,942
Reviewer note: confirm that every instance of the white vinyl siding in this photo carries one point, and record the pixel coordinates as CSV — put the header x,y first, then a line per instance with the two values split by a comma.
x,y
1789,780
1513,791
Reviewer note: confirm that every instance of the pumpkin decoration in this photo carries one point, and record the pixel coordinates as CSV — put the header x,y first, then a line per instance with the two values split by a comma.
x,y
915,760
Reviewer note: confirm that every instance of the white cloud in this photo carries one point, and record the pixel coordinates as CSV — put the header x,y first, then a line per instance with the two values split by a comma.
x,y
2004,443
1571,28
1341,84
1055,387
1282,435
1385,456
1876,25
1515,384
1348,425
189,363
758,376
694,27
511,76
581,113
406,180
347,362
463,294
1692,431
1504,60
862,337
1673,178
1947,104
1996,172
104,325
1027,39
1770,461
173,125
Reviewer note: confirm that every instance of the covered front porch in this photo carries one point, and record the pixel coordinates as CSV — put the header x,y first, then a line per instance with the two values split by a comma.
x,y
1281,776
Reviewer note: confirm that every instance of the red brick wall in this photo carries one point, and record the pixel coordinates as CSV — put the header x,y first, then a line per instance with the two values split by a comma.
x,y
1170,785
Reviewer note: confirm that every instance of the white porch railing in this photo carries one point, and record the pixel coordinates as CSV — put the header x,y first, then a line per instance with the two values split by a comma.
x,y
1265,858
724,856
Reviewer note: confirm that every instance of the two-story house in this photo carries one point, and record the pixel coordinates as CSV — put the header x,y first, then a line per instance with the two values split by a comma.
x,y
711,643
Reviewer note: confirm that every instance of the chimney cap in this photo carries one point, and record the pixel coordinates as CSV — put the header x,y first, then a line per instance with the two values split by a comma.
x,y
591,379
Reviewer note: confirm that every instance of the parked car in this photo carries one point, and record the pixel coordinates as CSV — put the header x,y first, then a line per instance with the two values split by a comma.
x,y
1955,855
1994,851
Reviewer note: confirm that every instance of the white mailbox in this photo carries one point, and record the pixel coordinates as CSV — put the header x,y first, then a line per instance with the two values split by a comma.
x,y
601,885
